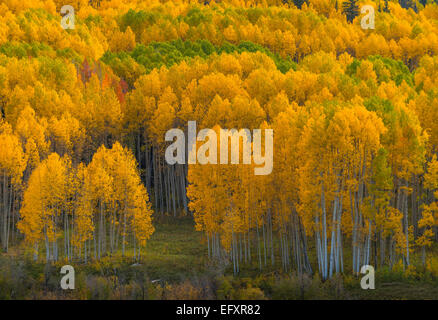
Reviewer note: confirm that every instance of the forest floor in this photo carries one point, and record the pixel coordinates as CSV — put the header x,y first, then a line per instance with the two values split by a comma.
x,y
177,253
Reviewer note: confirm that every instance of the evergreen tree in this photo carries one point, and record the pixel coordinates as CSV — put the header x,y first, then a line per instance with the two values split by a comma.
x,y
407,4
297,3
350,9
386,9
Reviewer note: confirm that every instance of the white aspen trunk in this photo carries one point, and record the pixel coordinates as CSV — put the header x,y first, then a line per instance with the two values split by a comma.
x,y
208,246
264,241
333,237
258,246
339,239
406,220
324,236
124,232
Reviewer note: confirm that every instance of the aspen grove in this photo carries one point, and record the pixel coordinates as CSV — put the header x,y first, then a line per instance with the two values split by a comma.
x,y
84,114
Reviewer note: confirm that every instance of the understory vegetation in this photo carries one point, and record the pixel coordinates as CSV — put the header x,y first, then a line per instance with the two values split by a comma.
x,y
177,267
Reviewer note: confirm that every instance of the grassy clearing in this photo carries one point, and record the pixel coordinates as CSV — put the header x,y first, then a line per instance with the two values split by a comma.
x,y
176,255
175,250
406,290
178,252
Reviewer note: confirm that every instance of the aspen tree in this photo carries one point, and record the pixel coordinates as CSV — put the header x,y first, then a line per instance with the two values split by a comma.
x,y
12,165
44,203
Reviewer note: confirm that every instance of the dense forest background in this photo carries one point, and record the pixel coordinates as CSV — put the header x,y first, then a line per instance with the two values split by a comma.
x,y
84,112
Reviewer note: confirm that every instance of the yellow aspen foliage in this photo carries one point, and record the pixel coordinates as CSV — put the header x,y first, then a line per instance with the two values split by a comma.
x,y
12,157
32,132
44,202
430,209
67,136
122,41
